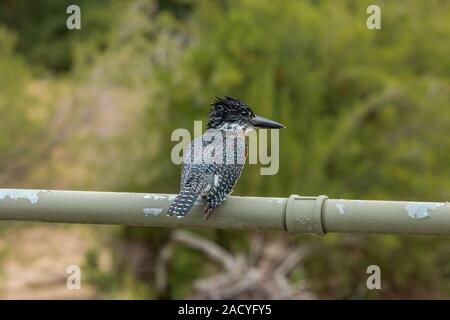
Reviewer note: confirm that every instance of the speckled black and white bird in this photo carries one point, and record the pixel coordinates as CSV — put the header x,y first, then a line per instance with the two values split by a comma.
x,y
213,163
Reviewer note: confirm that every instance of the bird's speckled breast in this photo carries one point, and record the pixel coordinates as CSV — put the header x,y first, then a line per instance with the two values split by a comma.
x,y
218,147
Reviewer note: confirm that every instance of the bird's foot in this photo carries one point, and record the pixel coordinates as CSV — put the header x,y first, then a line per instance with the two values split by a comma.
x,y
206,212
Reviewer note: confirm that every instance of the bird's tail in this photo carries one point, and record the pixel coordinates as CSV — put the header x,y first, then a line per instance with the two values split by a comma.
x,y
185,200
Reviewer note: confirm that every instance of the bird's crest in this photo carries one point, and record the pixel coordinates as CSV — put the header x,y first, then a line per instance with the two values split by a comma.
x,y
228,109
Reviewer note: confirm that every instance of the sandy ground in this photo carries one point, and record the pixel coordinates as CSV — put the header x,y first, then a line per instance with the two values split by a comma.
x,y
34,260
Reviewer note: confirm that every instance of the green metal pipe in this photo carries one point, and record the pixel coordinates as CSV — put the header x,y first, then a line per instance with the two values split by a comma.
x,y
294,214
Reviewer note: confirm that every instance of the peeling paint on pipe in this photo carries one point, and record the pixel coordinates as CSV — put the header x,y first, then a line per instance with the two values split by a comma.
x,y
420,210
16,194
152,211
341,207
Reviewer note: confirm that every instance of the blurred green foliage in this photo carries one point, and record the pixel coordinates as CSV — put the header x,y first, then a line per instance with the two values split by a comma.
x,y
366,112
42,25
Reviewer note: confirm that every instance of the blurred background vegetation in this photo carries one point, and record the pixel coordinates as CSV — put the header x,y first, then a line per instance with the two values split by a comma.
x,y
367,115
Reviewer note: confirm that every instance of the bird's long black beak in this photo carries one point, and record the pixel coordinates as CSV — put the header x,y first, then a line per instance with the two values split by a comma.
x,y
261,122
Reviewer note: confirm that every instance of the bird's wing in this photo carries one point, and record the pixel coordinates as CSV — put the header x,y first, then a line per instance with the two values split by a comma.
x,y
184,175
227,175
188,167
219,178
223,184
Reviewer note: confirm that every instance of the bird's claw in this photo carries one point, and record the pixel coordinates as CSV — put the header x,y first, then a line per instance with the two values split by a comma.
x,y
206,212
